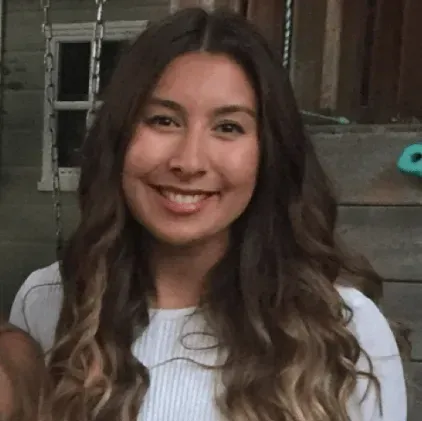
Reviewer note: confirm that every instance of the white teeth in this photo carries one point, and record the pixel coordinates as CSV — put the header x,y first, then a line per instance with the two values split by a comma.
x,y
183,198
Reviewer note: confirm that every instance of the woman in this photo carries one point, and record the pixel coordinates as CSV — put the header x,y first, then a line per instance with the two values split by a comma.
x,y
23,377
204,281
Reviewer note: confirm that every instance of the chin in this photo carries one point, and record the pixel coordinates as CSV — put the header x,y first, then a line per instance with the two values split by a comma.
x,y
187,238
175,237
179,241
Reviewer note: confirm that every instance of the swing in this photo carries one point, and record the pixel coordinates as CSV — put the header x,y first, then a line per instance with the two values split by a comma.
x,y
50,94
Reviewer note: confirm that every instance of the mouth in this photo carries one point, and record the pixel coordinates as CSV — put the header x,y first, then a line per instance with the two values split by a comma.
x,y
188,200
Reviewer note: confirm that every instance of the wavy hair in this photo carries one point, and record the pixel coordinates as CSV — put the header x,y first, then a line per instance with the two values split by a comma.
x,y
290,354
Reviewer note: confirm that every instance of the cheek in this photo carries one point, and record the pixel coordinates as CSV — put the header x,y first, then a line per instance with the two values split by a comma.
x,y
134,161
143,153
243,167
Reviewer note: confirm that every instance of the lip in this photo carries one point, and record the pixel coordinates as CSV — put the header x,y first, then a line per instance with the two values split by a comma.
x,y
179,190
183,208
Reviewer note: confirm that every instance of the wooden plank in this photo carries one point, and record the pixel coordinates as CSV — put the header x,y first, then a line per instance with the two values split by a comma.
x,y
413,372
410,83
23,110
331,56
402,303
24,29
182,4
34,223
385,62
363,168
18,186
17,261
391,237
207,4
230,4
31,5
23,70
307,52
351,59
269,19
21,148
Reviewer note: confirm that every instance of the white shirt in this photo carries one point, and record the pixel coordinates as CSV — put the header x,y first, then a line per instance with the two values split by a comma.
x,y
181,390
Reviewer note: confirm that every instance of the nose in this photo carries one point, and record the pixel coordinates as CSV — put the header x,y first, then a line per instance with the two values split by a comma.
x,y
189,157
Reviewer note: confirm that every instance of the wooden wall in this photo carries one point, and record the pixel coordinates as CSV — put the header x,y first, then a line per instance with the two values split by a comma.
x,y
380,215
373,64
27,221
380,209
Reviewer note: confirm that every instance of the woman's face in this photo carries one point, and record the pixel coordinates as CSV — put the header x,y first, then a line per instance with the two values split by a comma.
x,y
190,169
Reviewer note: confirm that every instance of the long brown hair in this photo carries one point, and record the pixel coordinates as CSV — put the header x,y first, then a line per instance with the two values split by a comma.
x,y
23,376
271,298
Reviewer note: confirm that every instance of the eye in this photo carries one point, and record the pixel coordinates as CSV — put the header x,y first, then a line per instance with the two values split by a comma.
x,y
162,121
230,128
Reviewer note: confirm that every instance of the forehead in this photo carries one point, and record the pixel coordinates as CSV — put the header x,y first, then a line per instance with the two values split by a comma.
x,y
205,79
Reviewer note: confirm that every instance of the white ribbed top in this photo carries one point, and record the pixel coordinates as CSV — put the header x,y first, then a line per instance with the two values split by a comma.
x,y
182,390
171,349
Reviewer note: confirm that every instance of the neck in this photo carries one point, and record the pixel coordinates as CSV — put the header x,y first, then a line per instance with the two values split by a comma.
x,y
180,272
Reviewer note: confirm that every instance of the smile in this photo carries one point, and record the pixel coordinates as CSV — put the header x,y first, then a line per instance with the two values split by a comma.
x,y
183,198
183,202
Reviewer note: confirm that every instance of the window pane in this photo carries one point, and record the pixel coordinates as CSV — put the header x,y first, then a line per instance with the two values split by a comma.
x,y
74,60
110,54
71,128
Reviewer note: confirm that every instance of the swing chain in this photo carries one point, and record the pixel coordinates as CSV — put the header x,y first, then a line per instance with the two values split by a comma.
x,y
51,119
97,43
288,28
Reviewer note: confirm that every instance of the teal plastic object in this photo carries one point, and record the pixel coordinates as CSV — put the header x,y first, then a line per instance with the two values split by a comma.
x,y
410,161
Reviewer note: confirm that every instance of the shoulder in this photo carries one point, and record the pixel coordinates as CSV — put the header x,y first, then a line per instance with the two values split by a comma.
x,y
373,332
368,324
37,304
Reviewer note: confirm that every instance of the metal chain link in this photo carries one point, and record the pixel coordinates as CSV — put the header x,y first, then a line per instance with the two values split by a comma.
x,y
288,33
50,96
97,42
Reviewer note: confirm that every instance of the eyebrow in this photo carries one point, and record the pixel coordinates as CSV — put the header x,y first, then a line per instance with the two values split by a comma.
x,y
225,109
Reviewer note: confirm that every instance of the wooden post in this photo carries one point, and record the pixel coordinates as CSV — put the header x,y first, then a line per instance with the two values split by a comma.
x,y
331,55
354,18
180,4
410,77
235,5
385,61
268,16
309,19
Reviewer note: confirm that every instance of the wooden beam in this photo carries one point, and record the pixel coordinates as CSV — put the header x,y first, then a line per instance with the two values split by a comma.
x,y
351,58
389,236
2,18
363,167
384,61
180,4
410,81
331,55
235,5
413,373
268,16
402,303
308,44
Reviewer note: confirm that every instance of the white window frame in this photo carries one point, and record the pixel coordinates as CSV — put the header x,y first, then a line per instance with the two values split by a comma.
x,y
75,32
